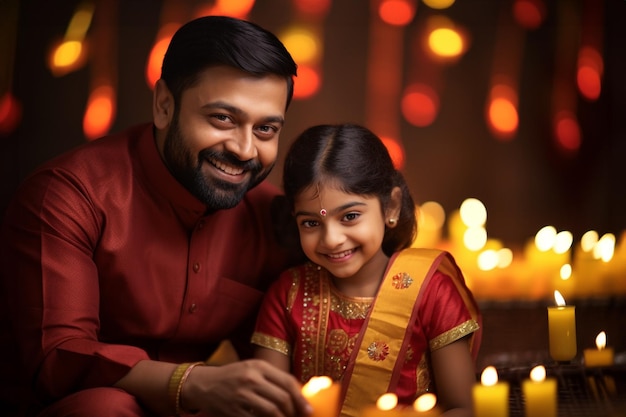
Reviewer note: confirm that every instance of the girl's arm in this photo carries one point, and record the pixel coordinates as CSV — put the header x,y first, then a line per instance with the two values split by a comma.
x,y
279,360
455,375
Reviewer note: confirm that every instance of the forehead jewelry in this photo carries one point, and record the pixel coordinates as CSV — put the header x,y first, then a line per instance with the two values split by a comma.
x,y
323,211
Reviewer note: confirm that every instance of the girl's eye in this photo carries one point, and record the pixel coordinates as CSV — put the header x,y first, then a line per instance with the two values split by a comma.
x,y
309,223
351,216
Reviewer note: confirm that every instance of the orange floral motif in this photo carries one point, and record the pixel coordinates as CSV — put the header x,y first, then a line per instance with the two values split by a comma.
x,y
401,281
378,350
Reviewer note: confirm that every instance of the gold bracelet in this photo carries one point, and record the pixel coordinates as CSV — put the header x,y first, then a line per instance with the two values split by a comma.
x,y
176,382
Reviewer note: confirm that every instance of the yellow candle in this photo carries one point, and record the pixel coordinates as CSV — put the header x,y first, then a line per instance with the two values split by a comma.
x,y
562,330
539,394
602,355
490,397
323,395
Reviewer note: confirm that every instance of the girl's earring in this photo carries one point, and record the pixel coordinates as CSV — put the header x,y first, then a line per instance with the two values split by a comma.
x,y
392,222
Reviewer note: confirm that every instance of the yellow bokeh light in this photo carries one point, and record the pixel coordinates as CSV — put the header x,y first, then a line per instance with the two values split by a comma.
x,y
545,238
475,238
425,402
303,44
445,42
565,272
473,212
438,4
488,260
589,240
387,401
563,241
67,54
605,248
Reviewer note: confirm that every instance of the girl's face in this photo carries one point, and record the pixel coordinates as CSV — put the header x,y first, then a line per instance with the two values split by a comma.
x,y
347,240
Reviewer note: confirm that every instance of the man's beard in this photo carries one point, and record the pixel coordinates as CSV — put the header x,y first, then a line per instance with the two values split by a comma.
x,y
187,169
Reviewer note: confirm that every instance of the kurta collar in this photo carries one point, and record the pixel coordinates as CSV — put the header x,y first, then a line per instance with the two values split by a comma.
x,y
161,180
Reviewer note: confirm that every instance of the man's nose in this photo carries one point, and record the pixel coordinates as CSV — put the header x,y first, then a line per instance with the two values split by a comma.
x,y
242,144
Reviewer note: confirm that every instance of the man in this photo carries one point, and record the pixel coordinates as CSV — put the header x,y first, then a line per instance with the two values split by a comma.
x,y
128,260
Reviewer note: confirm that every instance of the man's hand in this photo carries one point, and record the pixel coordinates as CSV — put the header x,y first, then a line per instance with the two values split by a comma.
x,y
246,388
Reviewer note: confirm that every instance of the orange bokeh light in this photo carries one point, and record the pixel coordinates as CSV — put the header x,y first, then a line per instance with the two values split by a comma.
x,y
313,7
503,117
307,83
567,131
10,113
397,12
233,8
155,59
589,82
395,152
99,113
420,105
529,14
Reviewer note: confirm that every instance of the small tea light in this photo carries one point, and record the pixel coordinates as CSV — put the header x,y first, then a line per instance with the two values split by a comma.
x,y
562,330
386,406
601,356
490,397
539,393
424,406
323,395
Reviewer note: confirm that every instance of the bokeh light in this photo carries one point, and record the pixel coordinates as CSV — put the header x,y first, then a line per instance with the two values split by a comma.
x,y
307,83
397,12
420,104
395,151
99,113
529,14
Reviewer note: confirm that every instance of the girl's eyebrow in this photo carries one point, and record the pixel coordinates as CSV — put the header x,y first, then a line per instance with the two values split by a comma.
x,y
331,212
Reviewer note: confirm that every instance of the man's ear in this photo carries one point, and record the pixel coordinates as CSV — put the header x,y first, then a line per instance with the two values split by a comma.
x,y
394,207
162,105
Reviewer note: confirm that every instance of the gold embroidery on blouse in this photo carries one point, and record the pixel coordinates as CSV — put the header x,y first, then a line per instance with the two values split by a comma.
x,y
350,308
272,343
424,381
454,334
293,291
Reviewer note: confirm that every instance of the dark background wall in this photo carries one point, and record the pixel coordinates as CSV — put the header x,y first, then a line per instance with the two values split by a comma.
x,y
524,183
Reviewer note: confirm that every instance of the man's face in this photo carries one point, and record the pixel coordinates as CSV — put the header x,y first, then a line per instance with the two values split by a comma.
x,y
223,139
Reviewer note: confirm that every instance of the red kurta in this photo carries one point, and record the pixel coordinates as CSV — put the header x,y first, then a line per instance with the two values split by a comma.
x,y
107,260
290,315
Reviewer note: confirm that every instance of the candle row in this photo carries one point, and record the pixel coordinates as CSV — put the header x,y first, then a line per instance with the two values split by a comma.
x,y
491,397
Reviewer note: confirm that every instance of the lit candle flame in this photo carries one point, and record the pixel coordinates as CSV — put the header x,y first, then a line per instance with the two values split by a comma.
x,y
315,385
538,373
425,402
489,377
560,301
387,401
601,340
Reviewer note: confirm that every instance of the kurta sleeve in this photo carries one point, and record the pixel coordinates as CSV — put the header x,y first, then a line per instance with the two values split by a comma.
x,y
51,230
446,317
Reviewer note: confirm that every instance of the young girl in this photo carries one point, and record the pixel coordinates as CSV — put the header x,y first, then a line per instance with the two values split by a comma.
x,y
364,309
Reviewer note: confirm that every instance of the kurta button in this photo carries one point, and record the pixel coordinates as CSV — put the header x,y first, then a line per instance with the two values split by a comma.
x,y
193,308
196,267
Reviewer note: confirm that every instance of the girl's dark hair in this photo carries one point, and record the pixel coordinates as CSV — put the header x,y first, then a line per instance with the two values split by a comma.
x,y
219,40
355,159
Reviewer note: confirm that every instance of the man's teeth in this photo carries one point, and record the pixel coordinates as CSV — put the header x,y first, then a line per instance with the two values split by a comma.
x,y
227,168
